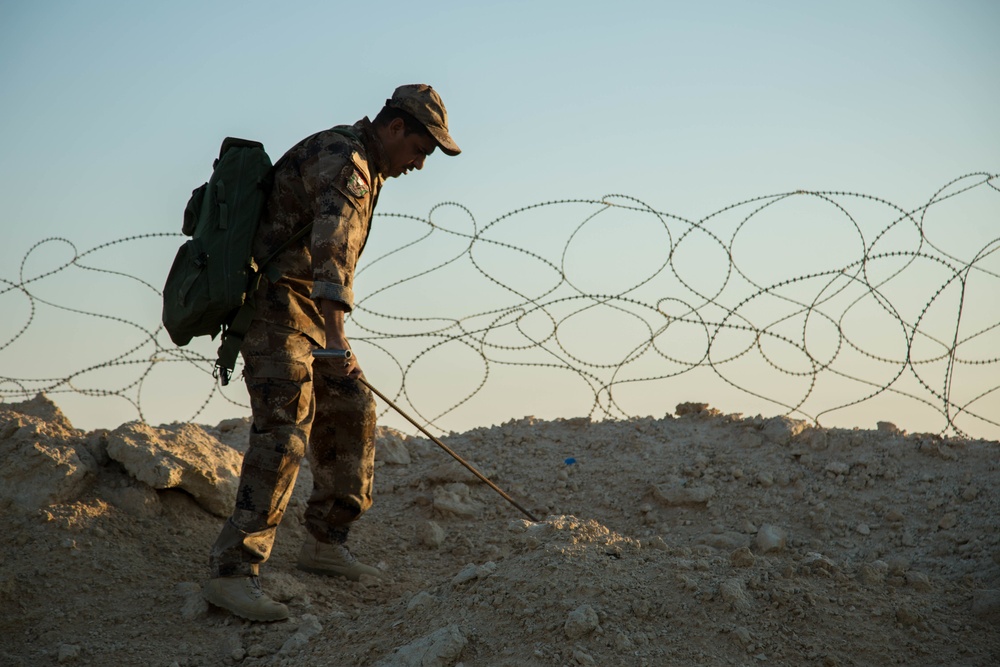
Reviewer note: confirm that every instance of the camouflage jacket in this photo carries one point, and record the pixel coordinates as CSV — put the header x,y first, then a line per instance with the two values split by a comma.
x,y
332,181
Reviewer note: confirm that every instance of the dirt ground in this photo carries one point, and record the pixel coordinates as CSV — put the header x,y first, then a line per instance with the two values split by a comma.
x,y
697,539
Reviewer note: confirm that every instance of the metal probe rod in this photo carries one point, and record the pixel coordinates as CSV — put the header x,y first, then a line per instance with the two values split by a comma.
x,y
448,449
346,354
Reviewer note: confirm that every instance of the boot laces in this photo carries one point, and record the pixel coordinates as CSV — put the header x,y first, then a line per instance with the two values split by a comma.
x,y
254,588
346,554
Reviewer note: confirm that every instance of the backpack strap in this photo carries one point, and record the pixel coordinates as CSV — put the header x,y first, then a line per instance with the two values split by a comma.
x,y
234,332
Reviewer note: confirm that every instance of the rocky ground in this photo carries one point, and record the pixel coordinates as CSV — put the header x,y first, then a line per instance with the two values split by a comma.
x,y
700,539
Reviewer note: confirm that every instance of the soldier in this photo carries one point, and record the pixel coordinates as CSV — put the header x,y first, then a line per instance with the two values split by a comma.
x,y
331,179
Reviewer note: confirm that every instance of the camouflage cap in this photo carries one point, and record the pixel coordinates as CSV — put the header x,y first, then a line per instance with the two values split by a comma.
x,y
423,103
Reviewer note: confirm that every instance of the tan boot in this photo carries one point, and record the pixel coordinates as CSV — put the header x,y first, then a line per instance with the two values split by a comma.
x,y
244,597
332,559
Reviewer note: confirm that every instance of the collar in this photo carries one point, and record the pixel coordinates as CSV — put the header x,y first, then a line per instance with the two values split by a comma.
x,y
373,147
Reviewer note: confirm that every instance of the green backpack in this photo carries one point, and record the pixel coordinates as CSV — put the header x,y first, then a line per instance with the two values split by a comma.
x,y
212,273
214,277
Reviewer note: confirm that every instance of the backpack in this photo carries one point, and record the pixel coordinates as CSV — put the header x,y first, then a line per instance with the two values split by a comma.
x,y
211,273
212,282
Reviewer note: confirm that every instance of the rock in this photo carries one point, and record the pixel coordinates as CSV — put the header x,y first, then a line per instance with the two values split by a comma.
x,y
390,446
656,543
41,408
681,494
194,606
733,592
467,573
451,471
838,468
45,460
420,600
309,627
284,587
919,581
742,557
441,648
700,410
581,621
894,516
180,456
725,541
781,430
948,521
970,493
69,653
817,563
456,500
873,573
472,571
430,534
257,651
234,432
887,428
769,538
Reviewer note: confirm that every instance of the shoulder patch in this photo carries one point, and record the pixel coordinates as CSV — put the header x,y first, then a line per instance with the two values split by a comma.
x,y
356,184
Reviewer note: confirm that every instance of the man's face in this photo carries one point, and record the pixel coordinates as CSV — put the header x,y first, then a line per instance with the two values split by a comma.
x,y
406,151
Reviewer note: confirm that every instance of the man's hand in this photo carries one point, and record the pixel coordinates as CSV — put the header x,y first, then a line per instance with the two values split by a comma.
x,y
336,339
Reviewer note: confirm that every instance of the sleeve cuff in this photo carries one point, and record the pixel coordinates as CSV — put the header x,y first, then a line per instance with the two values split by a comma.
x,y
333,292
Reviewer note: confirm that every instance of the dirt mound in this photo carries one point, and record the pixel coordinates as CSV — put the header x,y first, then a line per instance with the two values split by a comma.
x,y
703,539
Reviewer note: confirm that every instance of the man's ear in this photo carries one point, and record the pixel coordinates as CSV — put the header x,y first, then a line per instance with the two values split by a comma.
x,y
397,128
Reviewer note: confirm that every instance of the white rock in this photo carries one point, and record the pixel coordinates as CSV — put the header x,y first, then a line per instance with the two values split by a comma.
x,y
873,573
451,471
430,534
680,494
441,648
390,446
472,571
456,499
420,600
179,456
769,538
194,606
733,592
309,627
782,429
467,573
818,563
581,621
45,461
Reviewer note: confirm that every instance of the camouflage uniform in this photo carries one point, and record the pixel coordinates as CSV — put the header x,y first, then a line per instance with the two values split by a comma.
x,y
332,181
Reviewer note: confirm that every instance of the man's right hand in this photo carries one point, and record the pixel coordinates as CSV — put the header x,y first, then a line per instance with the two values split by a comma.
x,y
336,339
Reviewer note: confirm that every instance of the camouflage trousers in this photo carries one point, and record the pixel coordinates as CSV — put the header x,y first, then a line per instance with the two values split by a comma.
x,y
295,401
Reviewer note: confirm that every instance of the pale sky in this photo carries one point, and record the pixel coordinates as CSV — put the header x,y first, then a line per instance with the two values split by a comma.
x,y
113,111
